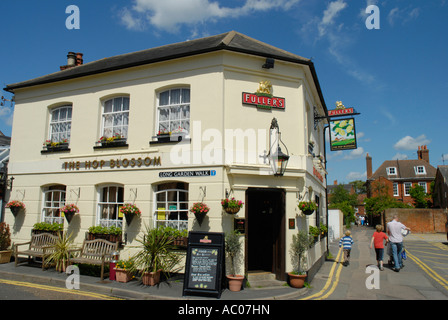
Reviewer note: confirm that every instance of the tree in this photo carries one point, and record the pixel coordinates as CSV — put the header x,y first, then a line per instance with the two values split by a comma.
x,y
420,197
359,186
381,201
341,199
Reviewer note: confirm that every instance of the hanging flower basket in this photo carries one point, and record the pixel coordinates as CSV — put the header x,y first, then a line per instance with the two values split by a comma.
x,y
200,210
15,207
69,211
130,211
231,206
307,207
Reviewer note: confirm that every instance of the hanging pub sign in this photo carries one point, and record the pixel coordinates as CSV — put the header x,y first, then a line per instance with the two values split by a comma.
x,y
342,134
205,264
263,98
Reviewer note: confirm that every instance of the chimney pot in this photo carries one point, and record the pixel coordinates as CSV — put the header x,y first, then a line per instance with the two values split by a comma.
x,y
71,59
369,166
79,59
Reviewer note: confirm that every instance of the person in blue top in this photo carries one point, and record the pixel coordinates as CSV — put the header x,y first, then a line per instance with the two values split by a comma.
x,y
346,243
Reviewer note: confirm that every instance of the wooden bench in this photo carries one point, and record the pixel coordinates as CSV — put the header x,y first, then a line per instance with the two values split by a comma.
x,y
40,246
96,252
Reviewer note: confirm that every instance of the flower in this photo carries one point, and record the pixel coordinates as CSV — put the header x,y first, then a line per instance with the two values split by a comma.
x,y
200,207
49,143
231,203
125,264
129,208
105,139
15,204
307,206
69,208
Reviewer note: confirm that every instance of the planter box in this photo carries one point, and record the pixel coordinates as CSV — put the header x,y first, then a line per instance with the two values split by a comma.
x,y
122,275
59,148
5,256
108,237
55,233
151,278
113,144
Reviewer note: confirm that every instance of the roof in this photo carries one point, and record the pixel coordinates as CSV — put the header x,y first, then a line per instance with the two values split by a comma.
x,y
231,41
405,170
444,172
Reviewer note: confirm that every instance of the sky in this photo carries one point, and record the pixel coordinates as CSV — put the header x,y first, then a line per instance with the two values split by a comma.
x,y
389,63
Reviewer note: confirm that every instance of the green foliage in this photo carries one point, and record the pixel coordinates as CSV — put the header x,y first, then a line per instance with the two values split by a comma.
x,y
314,231
173,232
61,252
376,205
420,197
45,226
105,230
5,236
341,199
157,252
233,247
301,242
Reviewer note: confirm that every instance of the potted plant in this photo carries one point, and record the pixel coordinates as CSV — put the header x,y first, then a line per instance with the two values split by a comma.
x,y
200,210
15,206
301,242
60,253
115,141
123,271
233,248
5,242
307,207
69,210
179,237
112,233
323,230
314,232
231,206
56,146
130,211
155,256
53,228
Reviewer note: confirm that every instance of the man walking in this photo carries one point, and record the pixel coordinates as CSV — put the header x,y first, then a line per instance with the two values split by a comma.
x,y
394,229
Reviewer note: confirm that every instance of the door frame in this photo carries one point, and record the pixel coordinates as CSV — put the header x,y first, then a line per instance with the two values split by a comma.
x,y
279,257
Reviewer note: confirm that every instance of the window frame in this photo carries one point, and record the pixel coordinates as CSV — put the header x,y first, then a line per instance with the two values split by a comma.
x,y
55,216
113,113
177,223
390,169
174,105
395,189
68,123
418,172
424,185
107,222
407,187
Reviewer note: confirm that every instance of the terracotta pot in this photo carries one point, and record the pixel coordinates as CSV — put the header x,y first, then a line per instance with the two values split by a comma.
x,y
235,282
296,280
151,278
122,275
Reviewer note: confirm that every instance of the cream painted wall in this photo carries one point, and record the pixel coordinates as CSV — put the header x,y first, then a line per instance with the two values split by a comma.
x,y
217,81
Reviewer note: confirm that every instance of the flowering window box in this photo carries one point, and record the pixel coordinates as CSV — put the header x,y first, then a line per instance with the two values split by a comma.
x,y
55,147
113,142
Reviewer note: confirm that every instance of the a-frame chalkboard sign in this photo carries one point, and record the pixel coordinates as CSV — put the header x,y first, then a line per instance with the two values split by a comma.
x,y
205,264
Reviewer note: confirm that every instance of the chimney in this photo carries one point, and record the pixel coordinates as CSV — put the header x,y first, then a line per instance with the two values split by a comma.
x,y
335,182
423,153
73,60
369,166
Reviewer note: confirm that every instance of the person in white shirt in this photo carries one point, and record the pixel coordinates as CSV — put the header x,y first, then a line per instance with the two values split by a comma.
x,y
396,241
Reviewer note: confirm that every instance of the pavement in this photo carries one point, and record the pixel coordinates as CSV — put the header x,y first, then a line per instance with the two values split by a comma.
x,y
332,282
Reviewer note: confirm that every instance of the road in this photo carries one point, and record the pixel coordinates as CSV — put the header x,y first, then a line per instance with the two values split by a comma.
x,y
17,290
424,277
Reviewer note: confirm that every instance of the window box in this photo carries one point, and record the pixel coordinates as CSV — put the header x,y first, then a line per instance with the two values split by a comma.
x,y
116,143
105,236
55,147
168,138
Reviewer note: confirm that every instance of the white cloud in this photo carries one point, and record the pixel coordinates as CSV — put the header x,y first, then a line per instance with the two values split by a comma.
x,y
355,154
356,176
410,143
169,15
404,15
400,156
330,14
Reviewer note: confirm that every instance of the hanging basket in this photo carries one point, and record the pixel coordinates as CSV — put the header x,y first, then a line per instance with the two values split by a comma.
x,y
232,210
200,217
15,210
307,212
69,215
129,217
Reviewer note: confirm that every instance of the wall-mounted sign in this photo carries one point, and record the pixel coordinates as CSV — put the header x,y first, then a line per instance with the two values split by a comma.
x,y
263,98
204,269
239,224
111,164
340,110
184,174
342,134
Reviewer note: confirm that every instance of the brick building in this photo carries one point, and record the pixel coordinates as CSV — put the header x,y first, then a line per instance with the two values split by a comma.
x,y
399,176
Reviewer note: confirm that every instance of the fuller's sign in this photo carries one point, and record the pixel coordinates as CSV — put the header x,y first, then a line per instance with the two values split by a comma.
x,y
263,98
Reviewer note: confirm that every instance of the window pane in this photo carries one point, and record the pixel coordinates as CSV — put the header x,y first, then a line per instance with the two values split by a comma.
x,y
69,114
175,96
164,114
164,98
55,115
108,106
62,114
117,104
125,104
185,95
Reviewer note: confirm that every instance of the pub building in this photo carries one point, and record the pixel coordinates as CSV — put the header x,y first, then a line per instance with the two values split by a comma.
x,y
164,128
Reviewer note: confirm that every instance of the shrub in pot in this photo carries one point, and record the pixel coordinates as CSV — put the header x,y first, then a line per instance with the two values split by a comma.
x,y
60,253
5,242
157,254
233,248
301,242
